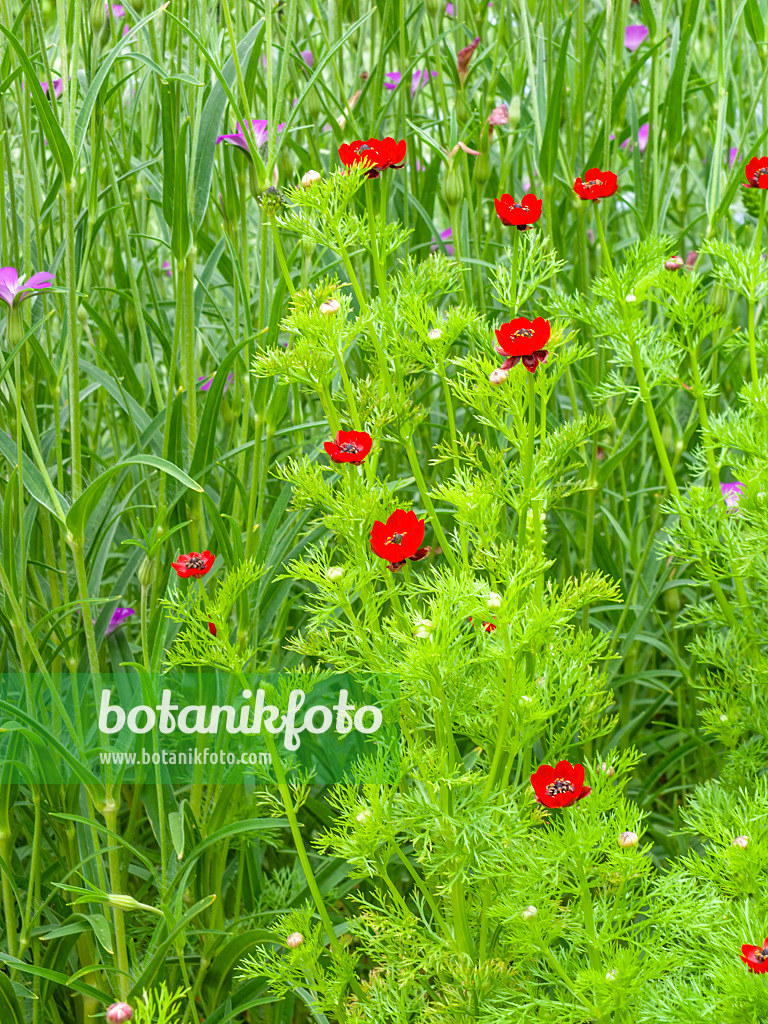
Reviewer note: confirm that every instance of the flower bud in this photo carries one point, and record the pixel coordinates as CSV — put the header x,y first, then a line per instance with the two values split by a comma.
x,y
529,913
433,7
611,975
314,106
483,168
118,1013
720,298
423,628
309,179
741,841
146,572
294,940
131,320
498,376
514,112
98,16
607,769
335,573
15,326
493,601
330,308
453,190
307,246
674,264
362,817
630,297
435,334
463,57
690,259
460,106
627,840
82,315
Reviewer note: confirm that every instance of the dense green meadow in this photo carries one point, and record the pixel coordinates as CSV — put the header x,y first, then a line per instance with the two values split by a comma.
x,y
417,345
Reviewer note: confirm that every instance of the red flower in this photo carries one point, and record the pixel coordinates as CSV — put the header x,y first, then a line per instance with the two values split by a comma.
x,y
349,446
399,538
376,154
194,564
524,339
757,172
211,629
489,627
518,215
755,957
596,185
560,786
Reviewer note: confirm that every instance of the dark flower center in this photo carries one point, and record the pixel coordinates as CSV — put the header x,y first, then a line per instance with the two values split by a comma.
x,y
524,332
349,448
592,182
560,786
762,955
396,538
196,562
519,206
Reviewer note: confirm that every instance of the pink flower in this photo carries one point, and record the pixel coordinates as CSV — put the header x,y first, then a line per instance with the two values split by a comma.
x,y
445,236
308,57
635,36
167,268
499,115
119,616
13,291
58,87
642,139
259,131
418,80
732,493
733,156
209,380
116,10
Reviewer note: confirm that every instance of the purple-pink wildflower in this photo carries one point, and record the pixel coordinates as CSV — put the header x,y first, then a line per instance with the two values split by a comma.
x,y
167,268
733,156
642,139
259,131
419,79
635,36
116,10
13,289
732,493
119,616
58,87
445,237
308,57
209,380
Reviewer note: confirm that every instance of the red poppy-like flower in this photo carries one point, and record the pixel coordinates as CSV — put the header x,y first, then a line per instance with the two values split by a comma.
x,y
349,446
196,563
756,957
524,339
596,185
399,538
757,172
489,627
376,154
212,629
518,215
560,786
